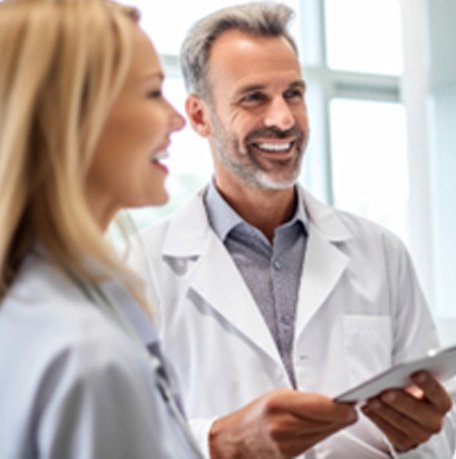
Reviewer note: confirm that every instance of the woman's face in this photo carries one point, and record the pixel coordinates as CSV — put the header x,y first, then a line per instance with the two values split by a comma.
x,y
126,169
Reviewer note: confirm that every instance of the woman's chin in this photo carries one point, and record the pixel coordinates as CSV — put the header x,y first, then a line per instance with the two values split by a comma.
x,y
160,199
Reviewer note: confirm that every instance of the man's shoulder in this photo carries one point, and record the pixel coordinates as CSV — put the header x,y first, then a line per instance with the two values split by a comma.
x,y
367,233
361,225
355,227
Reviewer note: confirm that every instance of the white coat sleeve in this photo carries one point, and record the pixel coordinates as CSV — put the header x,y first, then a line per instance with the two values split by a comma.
x,y
200,429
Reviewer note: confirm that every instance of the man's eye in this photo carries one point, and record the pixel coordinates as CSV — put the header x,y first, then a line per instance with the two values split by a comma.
x,y
294,94
254,97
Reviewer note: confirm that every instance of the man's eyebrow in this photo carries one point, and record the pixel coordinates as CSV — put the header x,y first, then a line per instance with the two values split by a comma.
x,y
298,84
250,88
261,87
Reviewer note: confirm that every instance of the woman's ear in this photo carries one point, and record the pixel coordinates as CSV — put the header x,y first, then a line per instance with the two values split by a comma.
x,y
198,115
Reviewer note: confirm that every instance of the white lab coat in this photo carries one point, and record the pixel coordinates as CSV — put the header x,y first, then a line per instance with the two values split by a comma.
x,y
360,310
73,385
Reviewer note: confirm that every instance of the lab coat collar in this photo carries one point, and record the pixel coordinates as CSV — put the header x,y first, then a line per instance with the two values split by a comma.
x,y
189,229
113,288
130,308
193,217
224,218
190,237
325,220
324,263
216,279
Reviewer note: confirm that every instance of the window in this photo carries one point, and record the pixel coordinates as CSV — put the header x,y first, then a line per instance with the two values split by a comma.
x,y
364,36
358,122
369,162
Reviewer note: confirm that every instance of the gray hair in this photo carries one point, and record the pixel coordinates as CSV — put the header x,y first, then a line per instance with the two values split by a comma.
x,y
259,19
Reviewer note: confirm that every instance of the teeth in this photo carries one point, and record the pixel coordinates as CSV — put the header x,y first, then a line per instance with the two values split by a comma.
x,y
159,156
274,146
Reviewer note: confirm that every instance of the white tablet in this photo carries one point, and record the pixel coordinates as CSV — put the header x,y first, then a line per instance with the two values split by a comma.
x,y
441,364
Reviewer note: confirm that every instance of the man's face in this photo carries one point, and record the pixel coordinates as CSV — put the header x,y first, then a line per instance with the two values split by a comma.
x,y
257,113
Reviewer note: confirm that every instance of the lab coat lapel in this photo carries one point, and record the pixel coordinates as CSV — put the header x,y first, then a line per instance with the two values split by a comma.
x,y
324,262
219,282
214,276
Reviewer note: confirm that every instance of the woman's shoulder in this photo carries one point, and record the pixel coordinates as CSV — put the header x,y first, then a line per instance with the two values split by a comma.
x,y
46,309
71,363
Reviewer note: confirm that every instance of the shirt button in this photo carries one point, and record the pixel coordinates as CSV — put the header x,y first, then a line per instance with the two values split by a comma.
x,y
287,319
277,265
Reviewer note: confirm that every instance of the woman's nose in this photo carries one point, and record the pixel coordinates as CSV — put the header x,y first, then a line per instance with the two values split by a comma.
x,y
177,120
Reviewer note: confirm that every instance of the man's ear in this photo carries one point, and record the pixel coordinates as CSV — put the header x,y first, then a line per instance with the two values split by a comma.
x,y
198,115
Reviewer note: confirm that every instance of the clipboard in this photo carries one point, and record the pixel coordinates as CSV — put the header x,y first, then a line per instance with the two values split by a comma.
x,y
441,364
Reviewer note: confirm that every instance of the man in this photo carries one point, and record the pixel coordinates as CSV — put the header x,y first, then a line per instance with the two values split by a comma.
x,y
261,287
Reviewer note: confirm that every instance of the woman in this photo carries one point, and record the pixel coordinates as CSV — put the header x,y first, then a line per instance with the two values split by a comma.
x,y
83,125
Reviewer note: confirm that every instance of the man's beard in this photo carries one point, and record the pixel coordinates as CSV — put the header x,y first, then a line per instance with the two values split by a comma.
x,y
244,165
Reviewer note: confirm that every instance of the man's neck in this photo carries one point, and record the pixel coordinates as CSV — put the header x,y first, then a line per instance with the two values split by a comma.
x,y
263,209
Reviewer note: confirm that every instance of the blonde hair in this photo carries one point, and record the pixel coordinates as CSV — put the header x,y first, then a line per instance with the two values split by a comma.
x,y
62,64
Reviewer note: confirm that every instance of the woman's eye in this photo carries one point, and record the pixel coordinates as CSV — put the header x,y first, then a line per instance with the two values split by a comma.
x,y
156,94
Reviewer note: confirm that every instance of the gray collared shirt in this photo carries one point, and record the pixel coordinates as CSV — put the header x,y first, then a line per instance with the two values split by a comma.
x,y
272,272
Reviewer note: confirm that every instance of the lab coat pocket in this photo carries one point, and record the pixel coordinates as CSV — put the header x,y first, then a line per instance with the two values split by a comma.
x,y
367,345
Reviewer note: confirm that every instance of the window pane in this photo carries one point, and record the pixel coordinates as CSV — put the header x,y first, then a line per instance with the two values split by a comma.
x,y
364,35
168,23
369,161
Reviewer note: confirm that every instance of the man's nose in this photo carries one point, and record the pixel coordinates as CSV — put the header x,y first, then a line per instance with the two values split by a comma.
x,y
279,115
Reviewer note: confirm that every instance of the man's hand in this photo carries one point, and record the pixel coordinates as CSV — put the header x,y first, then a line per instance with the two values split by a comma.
x,y
411,416
280,424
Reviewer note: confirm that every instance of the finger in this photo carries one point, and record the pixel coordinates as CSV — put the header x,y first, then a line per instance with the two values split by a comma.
x,y
415,391
399,421
433,391
287,427
296,446
400,440
420,412
319,408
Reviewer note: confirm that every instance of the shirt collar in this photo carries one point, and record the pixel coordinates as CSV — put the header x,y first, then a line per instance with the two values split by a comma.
x,y
223,218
